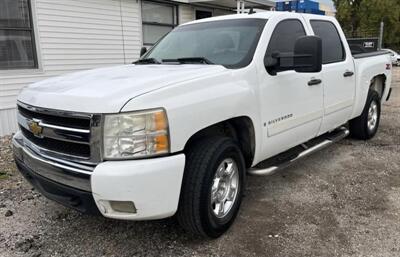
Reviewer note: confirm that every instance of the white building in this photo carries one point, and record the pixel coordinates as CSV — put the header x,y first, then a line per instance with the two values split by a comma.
x,y
44,38
328,9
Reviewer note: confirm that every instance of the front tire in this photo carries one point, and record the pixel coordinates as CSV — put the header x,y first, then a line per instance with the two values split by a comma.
x,y
366,125
212,187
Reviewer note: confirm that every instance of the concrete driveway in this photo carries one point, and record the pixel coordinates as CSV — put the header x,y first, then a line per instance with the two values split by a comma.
x,y
342,201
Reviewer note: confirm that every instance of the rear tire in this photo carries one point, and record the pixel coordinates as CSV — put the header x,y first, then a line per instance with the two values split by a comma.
x,y
214,174
366,125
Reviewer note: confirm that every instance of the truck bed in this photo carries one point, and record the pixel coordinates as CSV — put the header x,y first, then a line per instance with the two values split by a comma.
x,y
370,54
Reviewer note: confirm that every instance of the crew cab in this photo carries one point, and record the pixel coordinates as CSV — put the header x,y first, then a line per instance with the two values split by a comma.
x,y
177,132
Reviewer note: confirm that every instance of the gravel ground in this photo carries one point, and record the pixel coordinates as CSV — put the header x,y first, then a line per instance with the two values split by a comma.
x,y
342,201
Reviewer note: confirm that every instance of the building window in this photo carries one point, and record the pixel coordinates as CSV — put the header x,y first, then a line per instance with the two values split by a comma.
x,y
158,19
202,14
17,44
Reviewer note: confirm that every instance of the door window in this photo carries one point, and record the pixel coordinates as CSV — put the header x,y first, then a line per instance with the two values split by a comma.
x,y
284,37
332,47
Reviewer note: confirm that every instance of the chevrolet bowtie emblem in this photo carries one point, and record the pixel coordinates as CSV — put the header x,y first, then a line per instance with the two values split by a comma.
x,y
35,128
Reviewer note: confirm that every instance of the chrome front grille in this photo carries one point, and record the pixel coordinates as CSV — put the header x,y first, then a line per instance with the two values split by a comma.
x,y
63,135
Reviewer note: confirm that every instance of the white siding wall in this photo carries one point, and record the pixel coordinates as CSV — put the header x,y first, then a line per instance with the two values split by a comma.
x,y
186,13
74,35
8,121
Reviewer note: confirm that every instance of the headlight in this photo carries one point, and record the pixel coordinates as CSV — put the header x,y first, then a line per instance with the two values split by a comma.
x,y
136,134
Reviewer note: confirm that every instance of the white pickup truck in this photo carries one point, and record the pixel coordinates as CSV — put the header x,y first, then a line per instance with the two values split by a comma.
x,y
177,132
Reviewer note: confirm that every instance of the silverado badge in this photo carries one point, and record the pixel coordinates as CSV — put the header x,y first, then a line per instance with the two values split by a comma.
x,y
35,128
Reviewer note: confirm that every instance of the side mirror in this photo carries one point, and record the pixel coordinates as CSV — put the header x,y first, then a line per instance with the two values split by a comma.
x,y
143,50
307,57
308,54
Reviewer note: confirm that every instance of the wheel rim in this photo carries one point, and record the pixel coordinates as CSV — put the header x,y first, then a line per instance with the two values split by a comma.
x,y
372,115
224,188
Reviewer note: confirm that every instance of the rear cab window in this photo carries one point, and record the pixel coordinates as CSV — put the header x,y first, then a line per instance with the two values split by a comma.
x,y
332,45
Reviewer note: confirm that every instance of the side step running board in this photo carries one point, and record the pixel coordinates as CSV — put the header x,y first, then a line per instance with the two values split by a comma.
x,y
274,164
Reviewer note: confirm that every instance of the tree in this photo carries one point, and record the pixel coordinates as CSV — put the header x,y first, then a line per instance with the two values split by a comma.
x,y
347,14
357,16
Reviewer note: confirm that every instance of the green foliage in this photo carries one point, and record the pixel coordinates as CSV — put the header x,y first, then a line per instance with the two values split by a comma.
x,y
360,17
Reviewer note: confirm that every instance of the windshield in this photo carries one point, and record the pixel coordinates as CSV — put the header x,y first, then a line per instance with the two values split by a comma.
x,y
227,42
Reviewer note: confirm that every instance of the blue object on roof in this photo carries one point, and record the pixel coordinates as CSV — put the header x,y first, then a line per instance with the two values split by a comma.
x,y
302,6
307,4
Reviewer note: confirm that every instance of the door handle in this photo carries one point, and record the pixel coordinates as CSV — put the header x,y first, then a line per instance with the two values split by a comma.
x,y
314,82
348,74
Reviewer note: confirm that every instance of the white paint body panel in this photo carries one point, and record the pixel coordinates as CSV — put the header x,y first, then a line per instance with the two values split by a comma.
x,y
286,95
365,70
338,91
106,90
198,96
153,185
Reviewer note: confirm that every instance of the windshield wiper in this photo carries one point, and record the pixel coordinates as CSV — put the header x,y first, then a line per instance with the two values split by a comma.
x,y
147,61
186,60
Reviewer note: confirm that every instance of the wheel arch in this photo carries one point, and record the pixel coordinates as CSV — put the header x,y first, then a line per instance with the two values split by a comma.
x,y
378,83
241,129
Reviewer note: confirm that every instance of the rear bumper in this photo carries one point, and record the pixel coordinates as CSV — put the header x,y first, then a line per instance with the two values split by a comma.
x,y
152,185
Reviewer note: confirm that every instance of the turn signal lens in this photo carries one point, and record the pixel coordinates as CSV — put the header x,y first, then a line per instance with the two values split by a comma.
x,y
161,143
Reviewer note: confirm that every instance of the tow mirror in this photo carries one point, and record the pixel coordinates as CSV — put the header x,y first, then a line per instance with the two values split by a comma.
x,y
308,54
143,50
306,58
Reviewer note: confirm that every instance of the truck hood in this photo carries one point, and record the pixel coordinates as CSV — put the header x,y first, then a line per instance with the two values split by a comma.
x,y
107,90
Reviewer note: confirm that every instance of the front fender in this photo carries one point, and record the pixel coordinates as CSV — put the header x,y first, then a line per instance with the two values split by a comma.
x,y
199,103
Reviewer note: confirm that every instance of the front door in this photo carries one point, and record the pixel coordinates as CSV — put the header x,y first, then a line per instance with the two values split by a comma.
x,y
292,107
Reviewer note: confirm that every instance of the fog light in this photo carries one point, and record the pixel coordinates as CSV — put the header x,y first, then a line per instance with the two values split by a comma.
x,y
123,206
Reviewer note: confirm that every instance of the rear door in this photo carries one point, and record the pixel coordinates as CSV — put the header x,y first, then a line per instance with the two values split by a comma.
x,y
337,74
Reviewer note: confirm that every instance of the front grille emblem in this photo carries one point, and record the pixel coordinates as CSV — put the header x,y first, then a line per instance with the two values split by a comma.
x,y
35,128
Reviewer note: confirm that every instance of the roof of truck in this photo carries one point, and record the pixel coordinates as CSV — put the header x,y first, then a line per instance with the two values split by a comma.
x,y
262,15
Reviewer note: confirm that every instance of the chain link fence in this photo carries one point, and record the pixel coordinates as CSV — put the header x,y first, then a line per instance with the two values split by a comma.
x,y
369,37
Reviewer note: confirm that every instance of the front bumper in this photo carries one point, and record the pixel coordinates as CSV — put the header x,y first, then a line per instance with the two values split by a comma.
x,y
152,185
68,196
58,182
